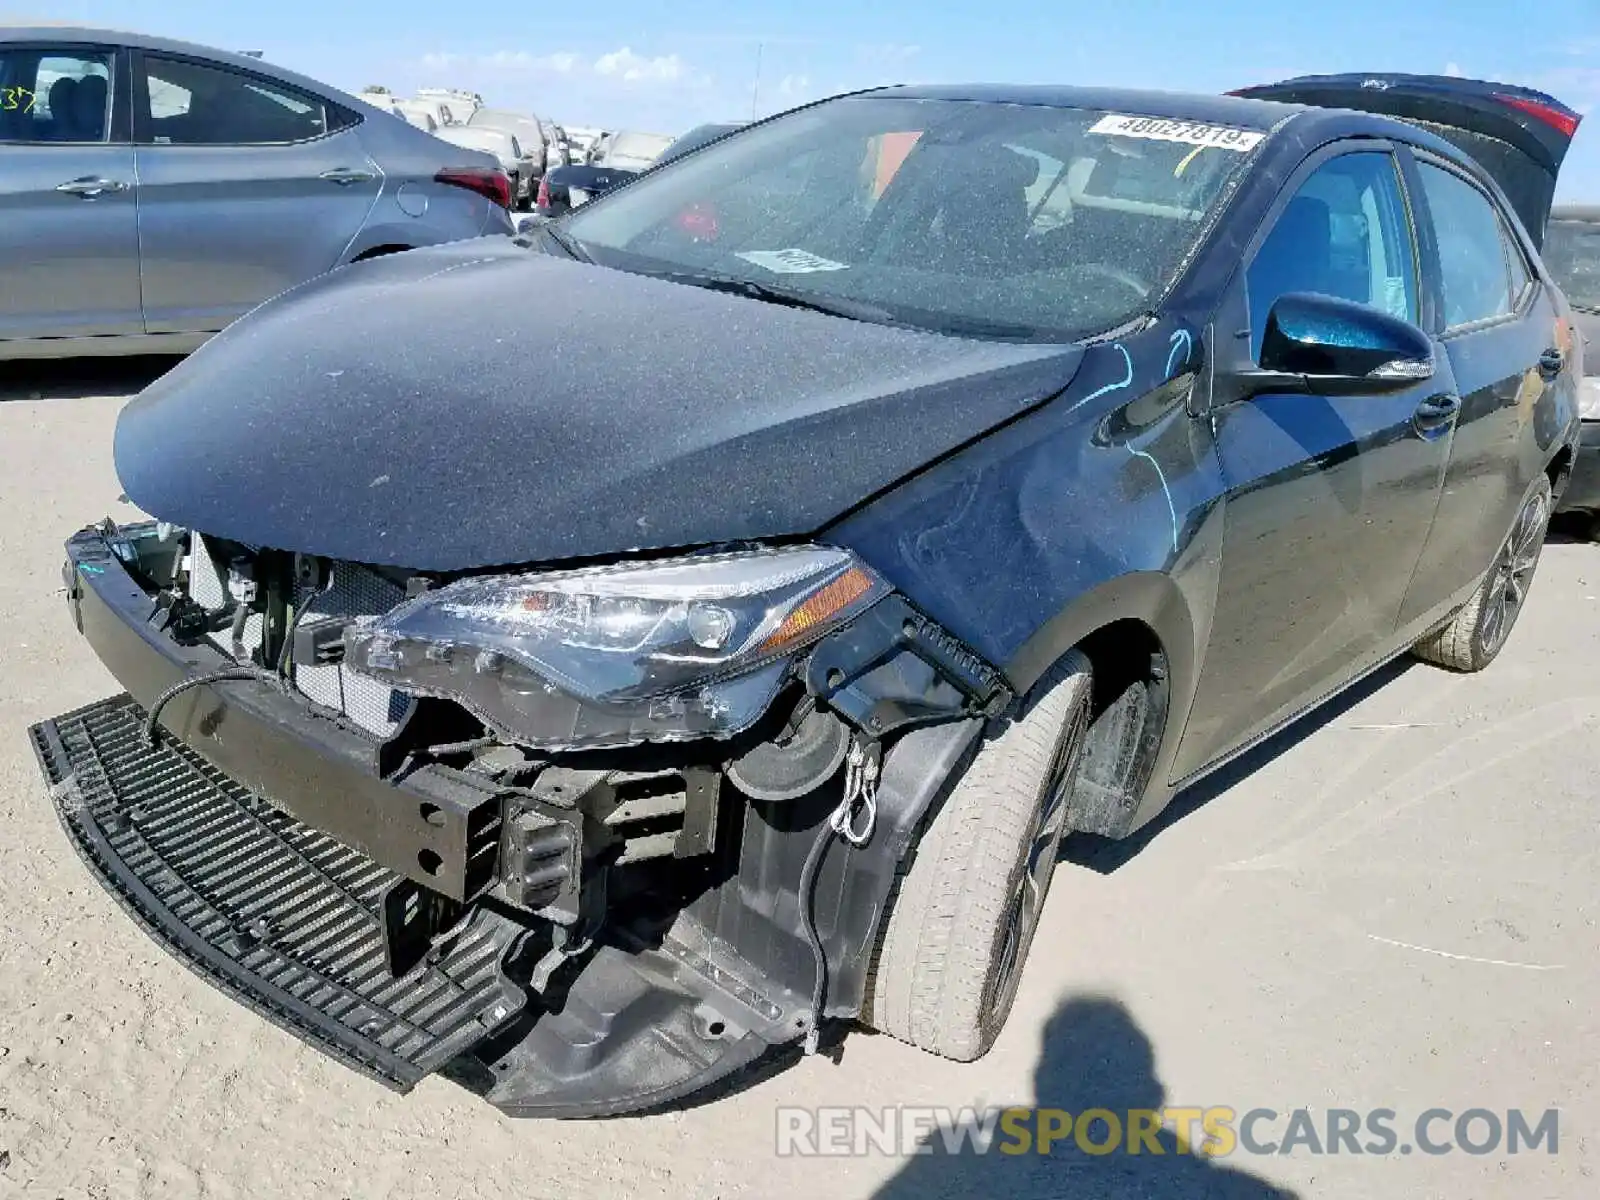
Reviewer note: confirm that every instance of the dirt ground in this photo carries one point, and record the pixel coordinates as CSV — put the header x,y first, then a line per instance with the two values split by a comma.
x,y
1392,906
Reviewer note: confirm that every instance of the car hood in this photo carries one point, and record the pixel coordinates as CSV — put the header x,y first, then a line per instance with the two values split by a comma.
x,y
480,404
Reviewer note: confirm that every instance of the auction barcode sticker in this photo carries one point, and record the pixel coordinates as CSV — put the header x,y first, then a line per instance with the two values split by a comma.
x,y
1193,133
791,262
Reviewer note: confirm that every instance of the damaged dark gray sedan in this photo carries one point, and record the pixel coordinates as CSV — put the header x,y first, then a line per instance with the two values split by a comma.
x,y
910,479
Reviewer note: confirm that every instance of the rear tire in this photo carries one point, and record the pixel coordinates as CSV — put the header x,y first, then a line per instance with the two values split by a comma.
x,y
968,897
1476,634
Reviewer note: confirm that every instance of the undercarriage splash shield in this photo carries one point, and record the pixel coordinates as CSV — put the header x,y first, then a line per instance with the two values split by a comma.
x,y
282,917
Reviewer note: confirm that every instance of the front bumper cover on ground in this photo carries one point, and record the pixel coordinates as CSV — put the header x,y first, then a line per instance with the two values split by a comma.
x,y
280,916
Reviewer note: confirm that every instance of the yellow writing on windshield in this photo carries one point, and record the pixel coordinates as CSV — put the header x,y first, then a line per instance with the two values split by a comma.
x,y
13,98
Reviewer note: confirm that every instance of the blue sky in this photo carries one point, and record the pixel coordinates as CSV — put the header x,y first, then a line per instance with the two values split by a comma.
x,y
665,66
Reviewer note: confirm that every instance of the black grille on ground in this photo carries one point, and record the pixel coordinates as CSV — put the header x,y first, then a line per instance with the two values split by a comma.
x,y
280,915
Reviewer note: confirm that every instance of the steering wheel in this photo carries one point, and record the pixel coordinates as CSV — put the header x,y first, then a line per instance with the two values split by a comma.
x,y
1116,275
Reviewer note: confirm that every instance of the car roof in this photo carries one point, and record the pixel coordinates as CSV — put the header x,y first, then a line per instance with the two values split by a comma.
x,y
482,133
1188,106
78,34
1239,111
501,114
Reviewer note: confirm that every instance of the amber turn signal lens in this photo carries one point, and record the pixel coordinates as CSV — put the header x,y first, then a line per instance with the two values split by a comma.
x,y
818,609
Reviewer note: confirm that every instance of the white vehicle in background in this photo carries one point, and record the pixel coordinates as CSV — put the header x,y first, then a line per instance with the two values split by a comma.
x,y
441,111
420,115
457,103
630,150
584,140
515,160
557,153
529,131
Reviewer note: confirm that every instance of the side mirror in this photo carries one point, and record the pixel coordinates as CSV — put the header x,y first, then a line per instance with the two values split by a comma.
x,y
1339,346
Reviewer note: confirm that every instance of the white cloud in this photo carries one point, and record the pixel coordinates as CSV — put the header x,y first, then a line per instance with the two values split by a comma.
x,y
629,67
792,87
504,62
563,63
1454,69
620,89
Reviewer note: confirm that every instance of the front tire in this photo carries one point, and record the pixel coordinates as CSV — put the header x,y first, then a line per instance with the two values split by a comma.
x,y
1476,634
969,895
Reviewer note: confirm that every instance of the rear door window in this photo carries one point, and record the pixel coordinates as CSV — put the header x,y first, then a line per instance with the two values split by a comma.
x,y
1346,233
1521,276
1474,270
195,105
49,95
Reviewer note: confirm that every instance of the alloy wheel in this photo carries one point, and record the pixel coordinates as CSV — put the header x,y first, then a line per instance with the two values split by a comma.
x,y
1512,573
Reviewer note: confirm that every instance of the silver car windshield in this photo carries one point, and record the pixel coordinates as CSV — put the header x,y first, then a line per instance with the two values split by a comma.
x,y
1572,252
987,219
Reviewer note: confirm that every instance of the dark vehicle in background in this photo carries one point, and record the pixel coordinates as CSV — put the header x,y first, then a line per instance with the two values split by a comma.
x,y
700,135
978,464
1572,254
572,186
152,191
565,188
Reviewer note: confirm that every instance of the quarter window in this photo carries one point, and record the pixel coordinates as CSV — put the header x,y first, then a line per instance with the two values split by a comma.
x,y
1345,233
1474,274
195,105
1521,280
54,95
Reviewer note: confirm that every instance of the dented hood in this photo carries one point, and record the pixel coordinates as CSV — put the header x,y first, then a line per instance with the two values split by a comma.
x,y
480,405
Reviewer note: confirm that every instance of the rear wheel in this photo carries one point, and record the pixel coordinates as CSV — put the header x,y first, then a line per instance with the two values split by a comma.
x,y
1476,634
968,898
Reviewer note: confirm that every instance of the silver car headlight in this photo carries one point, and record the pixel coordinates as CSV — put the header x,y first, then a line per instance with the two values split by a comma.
x,y
607,656
1589,398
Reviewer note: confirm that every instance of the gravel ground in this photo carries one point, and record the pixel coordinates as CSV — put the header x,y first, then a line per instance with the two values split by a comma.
x,y
1394,906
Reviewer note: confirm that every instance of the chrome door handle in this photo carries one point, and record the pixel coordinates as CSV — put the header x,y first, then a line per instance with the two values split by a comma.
x,y
345,176
90,187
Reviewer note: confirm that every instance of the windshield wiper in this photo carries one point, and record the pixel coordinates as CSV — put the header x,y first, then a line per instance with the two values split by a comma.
x,y
566,241
956,325
833,306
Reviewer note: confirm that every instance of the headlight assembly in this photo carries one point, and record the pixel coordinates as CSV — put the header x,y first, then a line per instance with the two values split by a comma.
x,y
609,656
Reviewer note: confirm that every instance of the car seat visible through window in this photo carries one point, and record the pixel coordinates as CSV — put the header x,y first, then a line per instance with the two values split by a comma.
x,y
89,108
63,124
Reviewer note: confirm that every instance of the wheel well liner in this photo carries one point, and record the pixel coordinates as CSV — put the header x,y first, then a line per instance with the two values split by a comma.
x,y
1559,468
1129,728
1128,717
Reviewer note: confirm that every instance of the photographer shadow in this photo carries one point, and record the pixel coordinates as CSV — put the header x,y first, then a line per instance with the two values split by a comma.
x,y
1095,1057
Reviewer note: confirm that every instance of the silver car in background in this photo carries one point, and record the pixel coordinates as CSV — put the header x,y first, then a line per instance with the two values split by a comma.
x,y
631,150
151,191
529,130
